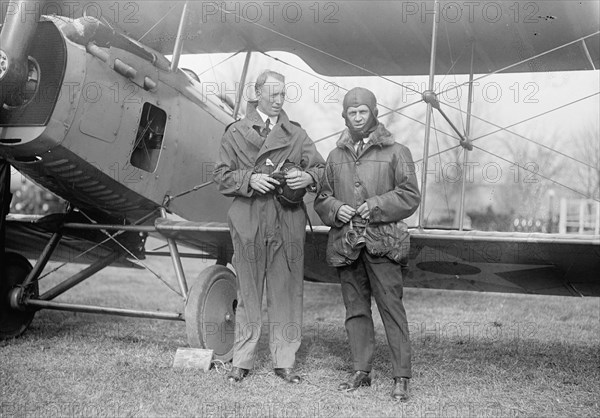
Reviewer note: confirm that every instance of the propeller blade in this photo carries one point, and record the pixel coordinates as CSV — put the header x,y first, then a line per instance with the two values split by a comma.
x,y
17,34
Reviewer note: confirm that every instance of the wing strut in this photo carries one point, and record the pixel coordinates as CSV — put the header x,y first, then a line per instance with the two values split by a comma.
x,y
430,97
240,92
176,259
179,40
461,211
428,114
587,54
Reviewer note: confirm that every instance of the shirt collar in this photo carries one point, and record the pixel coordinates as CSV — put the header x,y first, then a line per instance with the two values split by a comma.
x,y
264,117
364,141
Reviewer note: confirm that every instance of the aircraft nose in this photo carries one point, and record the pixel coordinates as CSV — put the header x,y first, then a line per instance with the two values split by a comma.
x,y
16,36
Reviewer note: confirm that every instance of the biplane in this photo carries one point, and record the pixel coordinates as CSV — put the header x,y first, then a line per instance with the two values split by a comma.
x,y
93,111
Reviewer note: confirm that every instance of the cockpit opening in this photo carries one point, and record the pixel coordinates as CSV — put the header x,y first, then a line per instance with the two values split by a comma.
x,y
149,138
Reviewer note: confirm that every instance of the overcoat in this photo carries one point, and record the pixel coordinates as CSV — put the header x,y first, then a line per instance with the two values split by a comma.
x,y
244,152
268,238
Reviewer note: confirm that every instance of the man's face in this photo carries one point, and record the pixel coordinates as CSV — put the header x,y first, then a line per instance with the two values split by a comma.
x,y
271,97
358,116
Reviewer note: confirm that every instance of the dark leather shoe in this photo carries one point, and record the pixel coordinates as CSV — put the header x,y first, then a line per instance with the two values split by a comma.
x,y
288,375
237,374
359,378
400,390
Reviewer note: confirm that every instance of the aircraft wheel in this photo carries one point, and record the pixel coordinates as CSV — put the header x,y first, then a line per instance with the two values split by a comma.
x,y
14,322
210,312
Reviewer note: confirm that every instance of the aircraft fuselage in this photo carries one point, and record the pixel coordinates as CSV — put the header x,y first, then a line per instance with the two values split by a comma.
x,y
112,130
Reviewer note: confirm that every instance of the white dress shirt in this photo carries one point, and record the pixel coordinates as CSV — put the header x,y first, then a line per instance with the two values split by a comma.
x,y
264,117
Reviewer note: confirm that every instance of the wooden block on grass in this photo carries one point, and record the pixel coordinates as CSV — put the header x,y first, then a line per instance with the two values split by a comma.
x,y
193,358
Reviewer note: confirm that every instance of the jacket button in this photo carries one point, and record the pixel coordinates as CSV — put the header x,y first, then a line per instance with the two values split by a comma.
x,y
358,163
357,184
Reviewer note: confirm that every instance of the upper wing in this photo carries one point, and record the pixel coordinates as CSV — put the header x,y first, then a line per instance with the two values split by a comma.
x,y
369,37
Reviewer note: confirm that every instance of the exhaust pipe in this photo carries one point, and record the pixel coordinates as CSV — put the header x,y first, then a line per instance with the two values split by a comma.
x,y
17,33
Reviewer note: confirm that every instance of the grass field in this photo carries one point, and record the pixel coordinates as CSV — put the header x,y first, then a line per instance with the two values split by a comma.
x,y
473,355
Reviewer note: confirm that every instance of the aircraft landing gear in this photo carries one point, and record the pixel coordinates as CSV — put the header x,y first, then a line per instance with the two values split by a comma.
x,y
13,322
210,312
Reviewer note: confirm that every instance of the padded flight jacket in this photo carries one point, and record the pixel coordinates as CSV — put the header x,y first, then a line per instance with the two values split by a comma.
x,y
383,175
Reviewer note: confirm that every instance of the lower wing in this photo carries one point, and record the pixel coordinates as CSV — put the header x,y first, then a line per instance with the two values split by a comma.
x,y
551,264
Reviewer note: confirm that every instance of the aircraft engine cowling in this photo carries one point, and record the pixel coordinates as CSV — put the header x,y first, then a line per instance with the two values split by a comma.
x,y
107,123
47,56
16,37
68,135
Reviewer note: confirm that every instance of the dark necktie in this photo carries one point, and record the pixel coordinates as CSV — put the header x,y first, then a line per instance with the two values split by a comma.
x,y
265,132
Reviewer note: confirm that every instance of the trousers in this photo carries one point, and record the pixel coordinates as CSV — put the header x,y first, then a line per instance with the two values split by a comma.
x,y
374,276
270,257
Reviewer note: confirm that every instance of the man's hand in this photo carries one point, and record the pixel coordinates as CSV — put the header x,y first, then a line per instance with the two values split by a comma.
x,y
363,211
298,179
345,213
263,183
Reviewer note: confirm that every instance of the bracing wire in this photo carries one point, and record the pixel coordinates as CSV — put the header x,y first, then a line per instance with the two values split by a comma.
x,y
506,129
444,91
366,70
523,61
538,174
390,110
212,67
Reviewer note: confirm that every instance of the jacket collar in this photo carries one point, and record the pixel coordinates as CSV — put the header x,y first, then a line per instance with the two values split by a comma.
x,y
380,136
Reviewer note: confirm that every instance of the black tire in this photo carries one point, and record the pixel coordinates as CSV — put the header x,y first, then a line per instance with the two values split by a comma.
x,y
14,322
